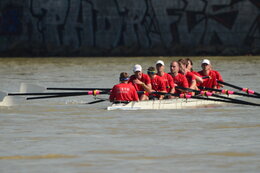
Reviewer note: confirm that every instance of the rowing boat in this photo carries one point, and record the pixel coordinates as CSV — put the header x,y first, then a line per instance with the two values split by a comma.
x,y
176,103
201,99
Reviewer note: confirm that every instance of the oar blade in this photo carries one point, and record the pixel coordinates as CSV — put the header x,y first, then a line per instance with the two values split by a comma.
x,y
12,101
96,101
2,95
32,88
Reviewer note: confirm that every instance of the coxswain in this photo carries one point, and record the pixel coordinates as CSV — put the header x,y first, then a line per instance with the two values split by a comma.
x,y
141,82
123,92
178,78
157,83
160,67
211,80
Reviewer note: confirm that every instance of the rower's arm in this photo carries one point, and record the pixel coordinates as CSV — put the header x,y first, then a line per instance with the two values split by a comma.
x,y
193,85
198,79
147,88
172,90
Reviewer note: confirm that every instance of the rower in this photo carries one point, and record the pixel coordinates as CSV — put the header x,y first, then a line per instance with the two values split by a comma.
x,y
196,74
219,77
166,77
178,78
123,92
183,63
141,82
157,83
210,82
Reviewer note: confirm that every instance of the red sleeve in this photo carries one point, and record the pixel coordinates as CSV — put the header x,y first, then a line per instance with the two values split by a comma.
x,y
161,84
112,94
214,80
191,76
146,79
134,94
196,73
131,79
218,76
170,80
185,82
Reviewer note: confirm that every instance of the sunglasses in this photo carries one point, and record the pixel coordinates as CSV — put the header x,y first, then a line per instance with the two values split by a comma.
x,y
150,72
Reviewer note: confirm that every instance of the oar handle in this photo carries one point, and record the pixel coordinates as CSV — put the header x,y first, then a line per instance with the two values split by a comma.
x,y
67,94
228,92
226,101
205,93
223,91
206,77
247,90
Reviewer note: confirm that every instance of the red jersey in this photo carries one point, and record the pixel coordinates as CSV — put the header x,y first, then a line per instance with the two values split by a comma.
x,y
123,92
167,78
196,73
158,84
145,79
180,80
209,82
190,77
218,76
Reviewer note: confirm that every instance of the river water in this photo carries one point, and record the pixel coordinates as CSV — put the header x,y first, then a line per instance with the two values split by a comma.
x,y
66,135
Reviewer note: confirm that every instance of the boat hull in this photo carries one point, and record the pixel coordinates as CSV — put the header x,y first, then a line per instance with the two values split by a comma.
x,y
177,103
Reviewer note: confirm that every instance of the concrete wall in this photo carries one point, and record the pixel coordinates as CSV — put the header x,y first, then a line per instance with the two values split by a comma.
x,y
129,27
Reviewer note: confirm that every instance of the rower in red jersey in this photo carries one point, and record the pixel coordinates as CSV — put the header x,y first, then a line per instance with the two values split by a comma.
x,y
210,82
183,63
141,82
219,78
157,83
178,78
123,91
198,77
165,76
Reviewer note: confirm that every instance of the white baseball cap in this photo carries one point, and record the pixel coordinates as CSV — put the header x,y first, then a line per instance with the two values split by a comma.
x,y
205,61
137,67
160,62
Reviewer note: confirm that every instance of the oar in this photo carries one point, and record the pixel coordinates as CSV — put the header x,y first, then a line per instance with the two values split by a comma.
x,y
2,95
97,101
95,92
228,92
75,89
226,101
218,96
61,94
26,87
234,101
65,94
52,96
205,77
249,91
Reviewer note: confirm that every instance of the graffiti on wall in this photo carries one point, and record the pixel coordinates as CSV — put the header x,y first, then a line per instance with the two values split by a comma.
x,y
143,23
11,20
